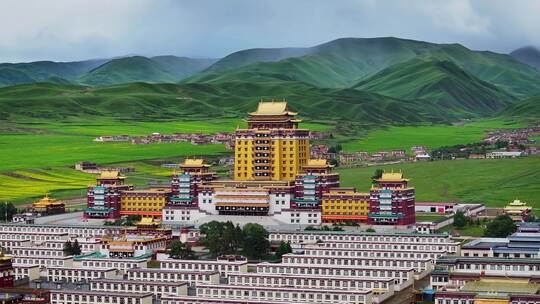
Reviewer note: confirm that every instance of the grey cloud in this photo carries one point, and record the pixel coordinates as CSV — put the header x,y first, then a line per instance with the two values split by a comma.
x,y
81,29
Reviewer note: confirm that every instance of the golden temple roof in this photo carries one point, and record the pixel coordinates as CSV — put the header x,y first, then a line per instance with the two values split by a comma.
x,y
517,205
147,221
317,163
46,201
195,162
110,174
272,108
392,177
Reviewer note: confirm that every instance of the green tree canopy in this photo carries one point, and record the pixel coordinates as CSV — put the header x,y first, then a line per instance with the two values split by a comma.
x,y
501,226
68,247
220,238
460,220
75,248
7,209
377,174
284,248
256,244
181,251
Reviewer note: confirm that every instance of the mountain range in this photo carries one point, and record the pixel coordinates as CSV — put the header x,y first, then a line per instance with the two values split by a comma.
x,y
362,80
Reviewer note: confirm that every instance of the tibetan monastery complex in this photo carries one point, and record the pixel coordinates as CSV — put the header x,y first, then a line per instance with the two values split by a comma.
x,y
273,176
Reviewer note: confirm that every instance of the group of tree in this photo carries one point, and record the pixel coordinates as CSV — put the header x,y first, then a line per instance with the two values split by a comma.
x,y
501,226
335,149
72,248
182,251
461,220
221,238
7,210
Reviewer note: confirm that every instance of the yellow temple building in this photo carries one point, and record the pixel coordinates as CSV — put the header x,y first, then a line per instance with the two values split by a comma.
x,y
518,210
47,205
272,147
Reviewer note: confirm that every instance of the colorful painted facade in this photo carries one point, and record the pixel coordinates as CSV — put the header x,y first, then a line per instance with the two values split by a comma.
x,y
185,185
273,147
147,203
392,200
345,205
310,186
103,199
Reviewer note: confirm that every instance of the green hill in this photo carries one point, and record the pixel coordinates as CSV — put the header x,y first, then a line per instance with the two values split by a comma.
x,y
525,109
250,56
182,67
440,82
103,71
143,101
128,69
343,62
20,73
160,69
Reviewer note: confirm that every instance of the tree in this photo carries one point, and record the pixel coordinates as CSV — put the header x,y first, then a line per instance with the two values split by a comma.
x,y
460,220
68,248
181,251
377,174
75,248
256,244
501,226
7,209
370,230
334,162
284,248
221,238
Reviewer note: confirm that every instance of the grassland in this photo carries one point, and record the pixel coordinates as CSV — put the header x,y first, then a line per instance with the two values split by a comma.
x,y
37,157
493,182
404,137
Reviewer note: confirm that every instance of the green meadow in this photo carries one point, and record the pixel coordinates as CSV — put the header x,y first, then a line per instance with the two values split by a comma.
x,y
432,136
38,157
494,182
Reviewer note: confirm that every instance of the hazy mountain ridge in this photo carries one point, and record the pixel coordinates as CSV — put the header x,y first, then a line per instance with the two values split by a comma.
x,y
376,80
529,55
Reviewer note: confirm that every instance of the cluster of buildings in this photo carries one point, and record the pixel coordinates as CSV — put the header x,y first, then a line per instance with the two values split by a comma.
x,y
321,151
518,136
492,270
123,266
156,138
274,175
226,138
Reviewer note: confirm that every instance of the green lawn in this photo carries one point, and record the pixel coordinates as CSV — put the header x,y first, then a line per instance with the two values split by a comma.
x,y
493,182
431,136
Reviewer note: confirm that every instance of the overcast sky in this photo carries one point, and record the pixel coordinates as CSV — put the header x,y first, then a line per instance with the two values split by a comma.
x,y
78,29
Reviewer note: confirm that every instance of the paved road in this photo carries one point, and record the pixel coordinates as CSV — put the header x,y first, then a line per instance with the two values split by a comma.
x,y
67,218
